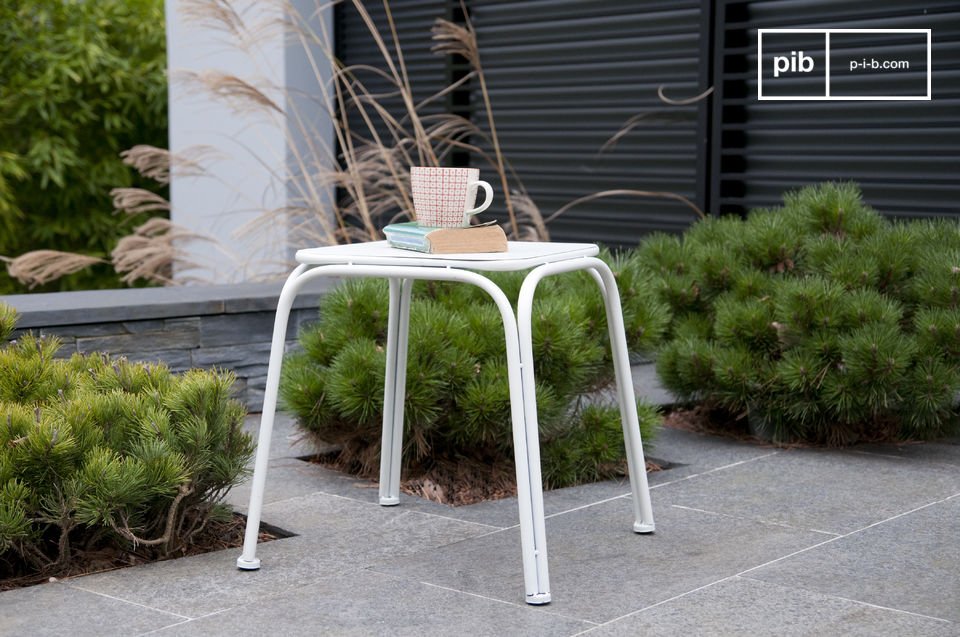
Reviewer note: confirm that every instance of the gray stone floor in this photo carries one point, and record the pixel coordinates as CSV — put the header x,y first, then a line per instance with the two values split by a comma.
x,y
750,540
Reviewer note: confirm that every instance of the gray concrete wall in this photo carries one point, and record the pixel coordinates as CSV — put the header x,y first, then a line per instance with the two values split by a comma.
x,y
225,326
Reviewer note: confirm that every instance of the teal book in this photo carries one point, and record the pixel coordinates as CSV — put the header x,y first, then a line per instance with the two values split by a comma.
x,y
411,236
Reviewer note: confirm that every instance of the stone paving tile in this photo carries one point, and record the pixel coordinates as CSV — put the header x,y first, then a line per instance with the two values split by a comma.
x,y
945,451
58,609
288,441
647,385
911,562
365,603
337,535
599,568
832,491
696,452
745,607
286,478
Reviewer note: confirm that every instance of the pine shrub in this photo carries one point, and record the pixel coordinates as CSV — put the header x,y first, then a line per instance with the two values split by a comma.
x,y
818,321
98,452
457,400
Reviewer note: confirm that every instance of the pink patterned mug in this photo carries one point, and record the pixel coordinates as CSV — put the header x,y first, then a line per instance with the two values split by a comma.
x,y
444,197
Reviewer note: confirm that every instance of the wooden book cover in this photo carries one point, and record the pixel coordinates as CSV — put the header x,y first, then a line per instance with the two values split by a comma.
x,y
482,238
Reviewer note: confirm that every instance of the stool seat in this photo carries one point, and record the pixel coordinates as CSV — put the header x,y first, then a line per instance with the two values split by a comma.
x,y
401,268
520,255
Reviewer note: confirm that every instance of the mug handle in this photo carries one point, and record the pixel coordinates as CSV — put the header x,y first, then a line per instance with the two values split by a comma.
x,y
487,200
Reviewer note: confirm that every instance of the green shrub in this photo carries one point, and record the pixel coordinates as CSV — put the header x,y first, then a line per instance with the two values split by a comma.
x,y
819,321
457,400
97,451
82,81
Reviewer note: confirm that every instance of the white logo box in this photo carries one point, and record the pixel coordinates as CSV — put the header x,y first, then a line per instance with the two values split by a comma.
x,y
838,98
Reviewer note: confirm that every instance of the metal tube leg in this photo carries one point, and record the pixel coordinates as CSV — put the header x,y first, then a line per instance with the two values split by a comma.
x,y
532,435
394,391
642,507
535,576
248,560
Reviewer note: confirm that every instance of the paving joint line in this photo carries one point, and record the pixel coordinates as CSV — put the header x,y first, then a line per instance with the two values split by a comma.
x,y
157,631
524,606
774,561
854,601
126,601
760,520
652,487
714,470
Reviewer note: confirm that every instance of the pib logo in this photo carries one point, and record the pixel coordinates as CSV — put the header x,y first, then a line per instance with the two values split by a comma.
x,y
796,62
791,63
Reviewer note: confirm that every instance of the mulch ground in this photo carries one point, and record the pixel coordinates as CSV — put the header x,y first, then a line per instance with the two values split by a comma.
x,y
455,483
217,536
703,420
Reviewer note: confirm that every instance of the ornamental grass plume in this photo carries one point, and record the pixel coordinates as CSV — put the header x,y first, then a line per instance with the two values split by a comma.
x,y
42,266
151,252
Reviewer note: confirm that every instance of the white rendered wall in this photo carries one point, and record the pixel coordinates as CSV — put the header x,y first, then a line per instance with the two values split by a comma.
x,y
249,175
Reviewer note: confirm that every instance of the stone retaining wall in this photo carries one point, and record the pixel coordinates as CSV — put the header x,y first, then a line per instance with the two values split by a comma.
x,y
224,326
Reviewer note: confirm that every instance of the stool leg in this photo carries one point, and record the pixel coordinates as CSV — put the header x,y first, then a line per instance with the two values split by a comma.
x,y
248,561
394,391
642,508
530,451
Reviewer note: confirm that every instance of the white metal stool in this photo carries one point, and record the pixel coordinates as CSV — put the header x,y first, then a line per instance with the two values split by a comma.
x,y
401,268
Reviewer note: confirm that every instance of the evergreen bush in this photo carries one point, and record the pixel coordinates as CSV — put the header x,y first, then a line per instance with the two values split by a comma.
x,y
98,452
82,81
818,321
457,406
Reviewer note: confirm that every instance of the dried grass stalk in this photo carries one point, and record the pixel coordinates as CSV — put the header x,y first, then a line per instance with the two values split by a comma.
x,y
136,200
151,252
149,161
454,39
685,101
42,266
240,95
529,219
655,116
217,14
628,193
158,163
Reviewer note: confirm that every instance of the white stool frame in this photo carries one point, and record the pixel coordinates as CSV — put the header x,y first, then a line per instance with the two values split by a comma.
x,y
523,406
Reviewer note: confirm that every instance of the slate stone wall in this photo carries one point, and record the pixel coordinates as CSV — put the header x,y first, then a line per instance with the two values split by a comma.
x,y
228,327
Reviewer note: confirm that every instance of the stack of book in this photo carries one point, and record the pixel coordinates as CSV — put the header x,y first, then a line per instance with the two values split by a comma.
x,y
482,238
